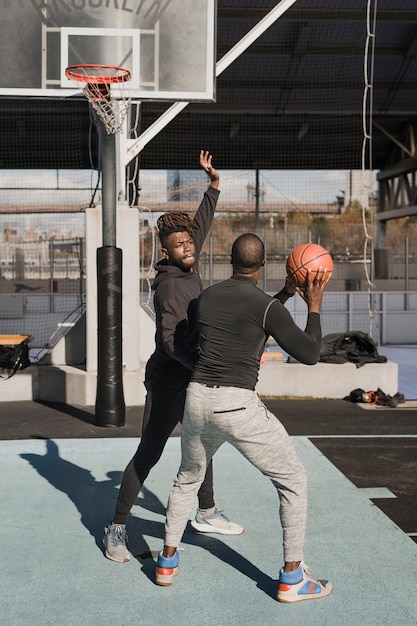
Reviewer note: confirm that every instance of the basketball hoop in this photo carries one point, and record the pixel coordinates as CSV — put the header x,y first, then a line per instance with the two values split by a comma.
x,y
96,82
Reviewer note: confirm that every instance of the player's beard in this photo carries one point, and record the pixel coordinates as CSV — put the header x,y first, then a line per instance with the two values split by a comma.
x,y
187,263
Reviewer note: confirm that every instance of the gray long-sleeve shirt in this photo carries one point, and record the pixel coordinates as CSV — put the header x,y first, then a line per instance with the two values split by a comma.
x,y
235,320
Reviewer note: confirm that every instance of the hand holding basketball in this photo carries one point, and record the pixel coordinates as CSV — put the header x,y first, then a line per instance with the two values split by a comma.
x,y
307,257
313,291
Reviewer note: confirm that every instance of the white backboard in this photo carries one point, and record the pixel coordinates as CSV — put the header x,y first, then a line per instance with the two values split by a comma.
x,y
168,45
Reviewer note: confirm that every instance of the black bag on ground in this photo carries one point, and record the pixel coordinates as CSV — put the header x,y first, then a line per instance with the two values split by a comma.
x,y
352,347
13,359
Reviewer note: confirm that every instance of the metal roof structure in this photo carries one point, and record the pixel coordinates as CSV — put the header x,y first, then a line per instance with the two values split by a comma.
x,y
302,96
295,97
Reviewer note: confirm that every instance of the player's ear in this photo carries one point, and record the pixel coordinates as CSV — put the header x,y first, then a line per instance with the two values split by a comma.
x,y
165,253
263,261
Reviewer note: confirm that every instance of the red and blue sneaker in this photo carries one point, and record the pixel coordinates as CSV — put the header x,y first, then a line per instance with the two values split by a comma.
x,y
166,569
298,585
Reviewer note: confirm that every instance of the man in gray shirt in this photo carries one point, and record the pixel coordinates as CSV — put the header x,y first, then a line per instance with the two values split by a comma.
x,y
235,319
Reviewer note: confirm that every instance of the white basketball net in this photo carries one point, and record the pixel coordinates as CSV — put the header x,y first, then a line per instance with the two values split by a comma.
x,y
105,88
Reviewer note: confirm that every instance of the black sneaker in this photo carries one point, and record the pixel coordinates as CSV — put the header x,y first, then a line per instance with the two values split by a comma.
x,y
384,399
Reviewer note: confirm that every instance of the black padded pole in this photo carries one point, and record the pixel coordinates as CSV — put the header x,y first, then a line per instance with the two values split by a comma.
x,y
110,405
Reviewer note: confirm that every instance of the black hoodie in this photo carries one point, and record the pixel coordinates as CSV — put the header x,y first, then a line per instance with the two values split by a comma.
x,y
176,296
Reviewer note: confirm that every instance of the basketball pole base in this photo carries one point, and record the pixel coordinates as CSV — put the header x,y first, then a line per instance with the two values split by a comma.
x,y
110,404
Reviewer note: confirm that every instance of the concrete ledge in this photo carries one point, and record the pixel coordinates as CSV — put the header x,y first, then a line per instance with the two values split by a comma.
x,y
276,378
18,388
65,384
325,380
78,387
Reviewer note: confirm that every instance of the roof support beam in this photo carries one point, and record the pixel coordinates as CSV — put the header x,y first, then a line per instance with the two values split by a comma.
x,y
397,195
384,216
404,148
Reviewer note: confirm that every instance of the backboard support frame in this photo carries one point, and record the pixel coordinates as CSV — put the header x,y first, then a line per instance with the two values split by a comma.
x,y
135,146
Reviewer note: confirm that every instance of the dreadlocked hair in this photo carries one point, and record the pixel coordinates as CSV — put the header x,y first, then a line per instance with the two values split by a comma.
x,y
174,223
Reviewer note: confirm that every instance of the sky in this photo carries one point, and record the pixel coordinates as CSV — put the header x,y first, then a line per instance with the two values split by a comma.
x,y
279,185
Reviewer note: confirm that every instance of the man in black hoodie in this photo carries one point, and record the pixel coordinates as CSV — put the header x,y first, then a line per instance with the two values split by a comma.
x,y
176,287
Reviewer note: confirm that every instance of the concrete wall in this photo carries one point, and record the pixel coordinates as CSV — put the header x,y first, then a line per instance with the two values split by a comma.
x,y
276,379
325,380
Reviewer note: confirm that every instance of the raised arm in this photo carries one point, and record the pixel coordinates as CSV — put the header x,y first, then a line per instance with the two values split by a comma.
x,y
205,163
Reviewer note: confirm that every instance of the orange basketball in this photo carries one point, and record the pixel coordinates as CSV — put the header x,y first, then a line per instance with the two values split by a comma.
x,y
307,256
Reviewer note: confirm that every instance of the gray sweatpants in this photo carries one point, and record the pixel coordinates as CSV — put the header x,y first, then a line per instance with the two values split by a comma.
x,y
215,415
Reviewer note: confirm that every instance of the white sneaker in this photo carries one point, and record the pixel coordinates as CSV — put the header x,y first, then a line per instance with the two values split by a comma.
x,y
299,585
114,541
216,523
166,569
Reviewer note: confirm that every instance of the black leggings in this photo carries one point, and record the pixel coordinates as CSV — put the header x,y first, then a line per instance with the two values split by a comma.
x,y
164,407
